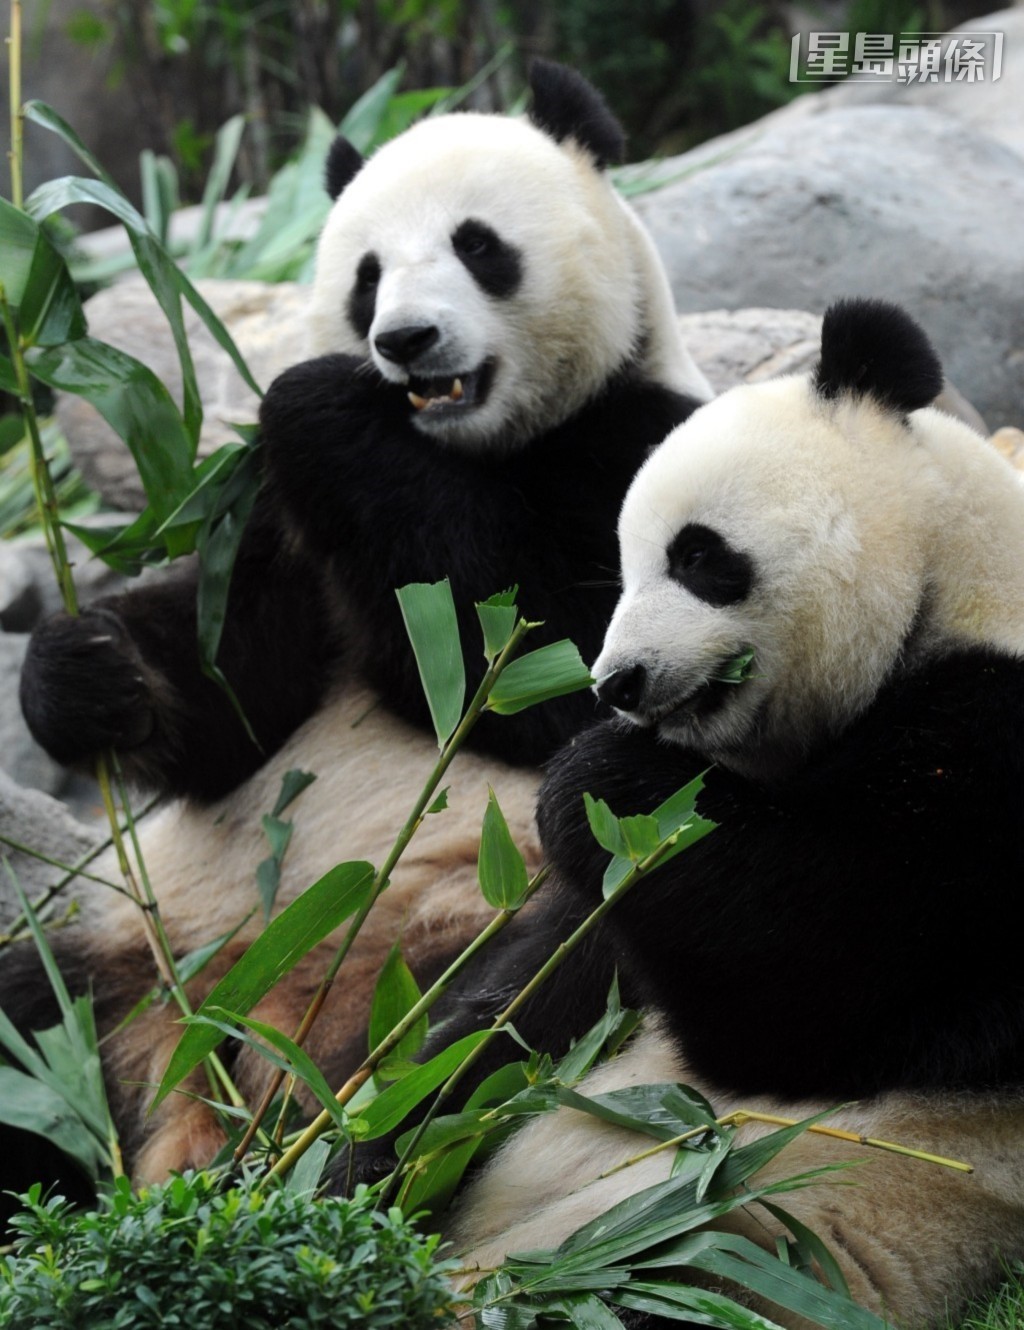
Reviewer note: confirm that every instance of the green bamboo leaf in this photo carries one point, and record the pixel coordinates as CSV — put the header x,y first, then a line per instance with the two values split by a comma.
x,y
432,1185
218,542
281,945
586,1311
292,784
41,114
396,993
292,1057
385,1112
305,1176
134,403
8,378
663,1111
363,118
29,1105
225,152
497,615
611,1030
501,868
548,672
604,826
812,1248
430,620
730,1257
641,834
36,282
694,1306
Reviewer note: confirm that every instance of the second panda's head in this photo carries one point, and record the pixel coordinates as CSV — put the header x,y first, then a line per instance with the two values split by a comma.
x,y
828,524
486,264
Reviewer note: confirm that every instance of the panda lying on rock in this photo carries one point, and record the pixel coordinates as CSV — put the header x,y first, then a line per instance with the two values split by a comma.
x,y
498,355
843,934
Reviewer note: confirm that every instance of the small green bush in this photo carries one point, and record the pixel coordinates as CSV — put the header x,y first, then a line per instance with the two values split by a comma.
x,y
187,1255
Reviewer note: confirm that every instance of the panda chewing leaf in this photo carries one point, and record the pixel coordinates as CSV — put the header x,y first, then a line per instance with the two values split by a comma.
x,y
815,949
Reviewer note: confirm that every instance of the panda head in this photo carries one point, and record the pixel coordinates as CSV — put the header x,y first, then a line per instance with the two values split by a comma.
x,y
835,525
486,264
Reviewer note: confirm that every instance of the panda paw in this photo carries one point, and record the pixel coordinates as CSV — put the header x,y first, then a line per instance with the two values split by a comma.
x,y
85,688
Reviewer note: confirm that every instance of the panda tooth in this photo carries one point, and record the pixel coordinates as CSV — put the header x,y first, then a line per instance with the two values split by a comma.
x,y
456,391
418,402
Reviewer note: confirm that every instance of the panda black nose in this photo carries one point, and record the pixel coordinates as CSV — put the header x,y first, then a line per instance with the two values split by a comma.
x,y
624,688
403,345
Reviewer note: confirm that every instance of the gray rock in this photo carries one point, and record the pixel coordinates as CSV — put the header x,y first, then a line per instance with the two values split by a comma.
x,y
891,201
35,820
750,345
28,586
20,597
268,325
20,756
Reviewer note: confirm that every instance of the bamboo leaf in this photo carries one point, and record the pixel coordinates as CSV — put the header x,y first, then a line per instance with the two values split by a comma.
x,y
430,620
385,1112
29,1105
497,617
540,675
292,784
134,403
281,945
586,1311
396,993
292,1059
695,1306
36,281
501,868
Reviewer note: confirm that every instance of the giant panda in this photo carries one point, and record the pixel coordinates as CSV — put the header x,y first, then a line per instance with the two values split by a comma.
x,y
843,936
495,353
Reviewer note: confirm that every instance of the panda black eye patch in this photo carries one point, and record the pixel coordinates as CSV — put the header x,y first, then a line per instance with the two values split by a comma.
x,y
362,299
494,264
703,562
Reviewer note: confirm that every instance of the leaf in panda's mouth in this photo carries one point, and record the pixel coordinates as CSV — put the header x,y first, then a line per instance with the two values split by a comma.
x,y
458,393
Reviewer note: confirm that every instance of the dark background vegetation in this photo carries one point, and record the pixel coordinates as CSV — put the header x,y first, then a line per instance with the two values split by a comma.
x,y
132,74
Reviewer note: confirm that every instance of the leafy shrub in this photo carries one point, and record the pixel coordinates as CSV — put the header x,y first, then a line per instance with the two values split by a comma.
x,y
187,1255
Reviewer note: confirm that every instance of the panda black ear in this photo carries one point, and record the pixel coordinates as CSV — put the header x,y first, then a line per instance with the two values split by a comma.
x,y
872,348
566,106
343,161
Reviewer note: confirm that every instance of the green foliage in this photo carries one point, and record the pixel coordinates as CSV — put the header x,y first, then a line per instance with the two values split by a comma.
x,y
55,1089
187,1254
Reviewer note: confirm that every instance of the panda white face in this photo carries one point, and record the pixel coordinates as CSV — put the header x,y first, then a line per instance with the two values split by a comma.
x,y
777,522
486,268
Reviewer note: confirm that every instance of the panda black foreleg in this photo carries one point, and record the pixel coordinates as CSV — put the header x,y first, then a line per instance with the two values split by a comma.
x,y
126,673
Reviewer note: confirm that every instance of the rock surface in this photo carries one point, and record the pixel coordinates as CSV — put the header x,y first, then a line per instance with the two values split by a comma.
x,y
32,818
891,201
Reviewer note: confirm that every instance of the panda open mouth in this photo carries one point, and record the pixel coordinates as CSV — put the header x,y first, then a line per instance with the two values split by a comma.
x,y
443,395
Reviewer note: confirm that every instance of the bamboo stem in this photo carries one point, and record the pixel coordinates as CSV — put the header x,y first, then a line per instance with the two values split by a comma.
x,y
381,882
742,1115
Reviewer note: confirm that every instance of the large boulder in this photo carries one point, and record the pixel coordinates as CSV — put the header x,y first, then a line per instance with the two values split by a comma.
x,y
892,201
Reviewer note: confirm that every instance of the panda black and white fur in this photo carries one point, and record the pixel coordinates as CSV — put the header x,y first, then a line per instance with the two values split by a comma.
x,y
843,935
490,250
